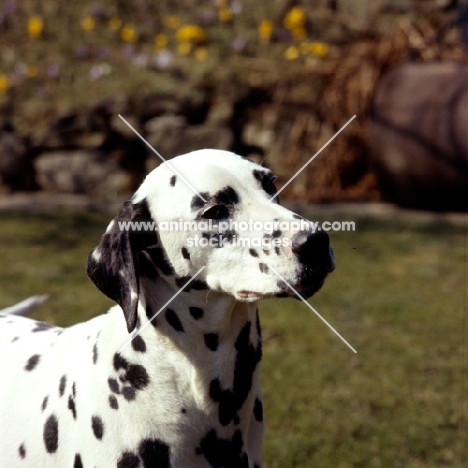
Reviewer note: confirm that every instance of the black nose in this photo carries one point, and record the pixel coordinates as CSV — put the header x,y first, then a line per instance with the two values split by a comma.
x,y
313,248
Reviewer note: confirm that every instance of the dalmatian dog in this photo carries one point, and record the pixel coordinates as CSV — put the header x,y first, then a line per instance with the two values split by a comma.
x,y
131,390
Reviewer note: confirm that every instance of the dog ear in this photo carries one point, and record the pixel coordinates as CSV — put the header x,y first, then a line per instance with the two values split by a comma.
x,y
113,264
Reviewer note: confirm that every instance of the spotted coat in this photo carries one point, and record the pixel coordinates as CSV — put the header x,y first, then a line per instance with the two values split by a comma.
x,y
185,391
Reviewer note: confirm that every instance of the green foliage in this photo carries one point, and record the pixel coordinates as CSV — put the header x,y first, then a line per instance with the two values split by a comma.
x,y
396,296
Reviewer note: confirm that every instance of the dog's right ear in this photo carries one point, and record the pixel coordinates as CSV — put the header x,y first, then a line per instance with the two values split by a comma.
x,y
112,265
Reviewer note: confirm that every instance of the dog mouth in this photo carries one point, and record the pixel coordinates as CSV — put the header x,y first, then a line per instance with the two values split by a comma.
x,y
307,285
250,295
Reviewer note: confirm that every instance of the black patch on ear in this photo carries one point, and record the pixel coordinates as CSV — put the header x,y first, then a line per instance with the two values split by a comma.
x,y
266,182
173,180
116,270
227,196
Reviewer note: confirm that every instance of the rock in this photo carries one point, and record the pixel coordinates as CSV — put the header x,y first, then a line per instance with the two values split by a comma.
x,y
417,135
81,171
171,136
15,165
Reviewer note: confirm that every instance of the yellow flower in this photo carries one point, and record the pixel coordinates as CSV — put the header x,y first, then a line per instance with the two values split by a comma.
x,y
4,84
224,14
160,41
115,23
191,33
35,26
299,33
32,71
265,30
319,49
88,24
172,22
128,34
184,48
201,54
291,53
294,19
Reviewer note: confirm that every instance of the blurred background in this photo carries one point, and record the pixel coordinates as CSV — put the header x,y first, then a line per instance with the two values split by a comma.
x,y
272,81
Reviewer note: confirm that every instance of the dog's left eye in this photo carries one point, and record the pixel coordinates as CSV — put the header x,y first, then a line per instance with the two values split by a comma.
x,y
216,212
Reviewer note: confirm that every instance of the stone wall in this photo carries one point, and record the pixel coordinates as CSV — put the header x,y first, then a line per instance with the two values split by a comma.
x,y
92,151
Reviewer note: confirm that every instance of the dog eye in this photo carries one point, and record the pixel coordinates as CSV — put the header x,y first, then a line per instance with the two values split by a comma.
x,y
215,212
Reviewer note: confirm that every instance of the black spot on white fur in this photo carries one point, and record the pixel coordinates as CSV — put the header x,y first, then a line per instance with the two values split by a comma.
x,y
258,410
44,403
138,344
71,406
134,378
223,453
227,196
114,385
154,452
266,178
51,434
128,460
173,320
22,451
33,361
150,453
198,285
95,353
185,253
98,427
173,180
77,463
231,400
62,384
253,252
113,403
196,312
211,341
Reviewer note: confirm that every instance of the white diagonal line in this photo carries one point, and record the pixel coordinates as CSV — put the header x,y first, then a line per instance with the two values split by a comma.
x,y
313,310
162,308
162,159
313,157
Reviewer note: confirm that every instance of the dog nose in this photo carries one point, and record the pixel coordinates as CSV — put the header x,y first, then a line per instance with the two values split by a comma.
x,y
313,248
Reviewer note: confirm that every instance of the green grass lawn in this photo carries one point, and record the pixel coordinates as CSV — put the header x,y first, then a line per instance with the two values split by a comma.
x,y
397,296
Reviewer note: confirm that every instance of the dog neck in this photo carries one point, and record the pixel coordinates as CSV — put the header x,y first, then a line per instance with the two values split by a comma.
x,y
205,320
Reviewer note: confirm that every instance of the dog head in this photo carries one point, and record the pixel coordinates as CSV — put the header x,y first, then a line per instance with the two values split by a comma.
x,y
217,212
